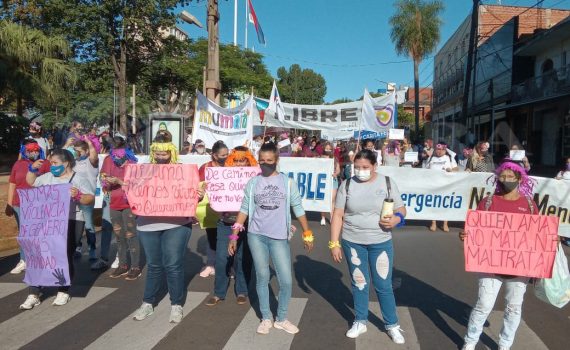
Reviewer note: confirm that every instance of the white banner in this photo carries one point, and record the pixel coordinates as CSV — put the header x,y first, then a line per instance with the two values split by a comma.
x,y
378,114
313,177
342,116
212,123
448,196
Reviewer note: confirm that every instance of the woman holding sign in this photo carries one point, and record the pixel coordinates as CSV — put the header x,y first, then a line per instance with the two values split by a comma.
x,y
240,157
513,194
267,201
82,193
165,241
368,206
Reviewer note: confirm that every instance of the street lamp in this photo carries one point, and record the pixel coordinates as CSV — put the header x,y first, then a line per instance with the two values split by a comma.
x,y
190,19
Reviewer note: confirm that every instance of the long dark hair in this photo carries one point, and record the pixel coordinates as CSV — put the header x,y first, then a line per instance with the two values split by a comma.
x,y
217,147
366,154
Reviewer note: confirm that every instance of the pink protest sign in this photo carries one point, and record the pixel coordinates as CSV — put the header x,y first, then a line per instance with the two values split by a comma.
x,y
226,186
44,215
510,244
162,189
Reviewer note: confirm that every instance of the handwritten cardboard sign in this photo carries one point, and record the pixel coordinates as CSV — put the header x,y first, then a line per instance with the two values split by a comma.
x,y
410,157
226,186
510,244
44,216
162,189
517,155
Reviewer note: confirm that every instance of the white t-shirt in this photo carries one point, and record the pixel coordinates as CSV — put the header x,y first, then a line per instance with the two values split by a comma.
x,y
79,181
564,175
441,163
85,168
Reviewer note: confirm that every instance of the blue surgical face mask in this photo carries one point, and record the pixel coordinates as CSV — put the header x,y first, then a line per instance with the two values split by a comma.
x,y
83,157
57,170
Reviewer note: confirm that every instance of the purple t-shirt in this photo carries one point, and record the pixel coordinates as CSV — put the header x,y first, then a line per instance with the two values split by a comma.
x,y
270,214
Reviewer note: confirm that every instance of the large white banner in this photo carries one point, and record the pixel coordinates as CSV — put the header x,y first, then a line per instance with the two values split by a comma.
x,y
438,195
342,116
313,177
212,123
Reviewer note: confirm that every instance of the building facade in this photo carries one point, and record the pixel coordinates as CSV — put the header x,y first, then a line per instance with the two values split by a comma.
x,y
426,96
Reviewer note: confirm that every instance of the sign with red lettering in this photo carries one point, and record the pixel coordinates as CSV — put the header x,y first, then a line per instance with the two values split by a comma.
x,y
510,244
162,189
225,186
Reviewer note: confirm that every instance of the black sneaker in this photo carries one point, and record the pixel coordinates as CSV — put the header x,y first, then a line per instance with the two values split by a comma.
x,y
120,271
133,274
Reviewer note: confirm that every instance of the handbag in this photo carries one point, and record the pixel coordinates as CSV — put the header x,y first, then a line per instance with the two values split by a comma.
x,y
556,290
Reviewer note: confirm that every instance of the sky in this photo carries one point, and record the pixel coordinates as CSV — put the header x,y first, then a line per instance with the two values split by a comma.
x,y
346,41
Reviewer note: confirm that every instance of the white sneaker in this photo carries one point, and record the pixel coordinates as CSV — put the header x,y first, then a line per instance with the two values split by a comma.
x,y
504,348
396,335
115,263
323,222
264,327
469,346
357,329
176,314
20,267
31,302
61,299
207,271
143,312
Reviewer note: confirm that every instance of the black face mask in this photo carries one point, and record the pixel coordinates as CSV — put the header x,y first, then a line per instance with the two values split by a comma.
x,y
267,169
120,161
221,161
162,161
509,186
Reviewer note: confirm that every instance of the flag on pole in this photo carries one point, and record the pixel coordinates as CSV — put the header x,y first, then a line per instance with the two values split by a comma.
x,y
275,106
378,114
253,19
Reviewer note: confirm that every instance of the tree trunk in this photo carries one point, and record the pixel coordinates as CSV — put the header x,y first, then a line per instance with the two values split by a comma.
x,y
417,97
19,106
123,90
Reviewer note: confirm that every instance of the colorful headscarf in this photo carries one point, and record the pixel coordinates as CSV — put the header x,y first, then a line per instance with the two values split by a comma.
x,y
164,147
526,185
31,147
119,153
235,155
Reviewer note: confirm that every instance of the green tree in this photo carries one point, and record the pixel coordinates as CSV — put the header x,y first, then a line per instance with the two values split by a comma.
x,y
303,86
405,119
415,33
33,64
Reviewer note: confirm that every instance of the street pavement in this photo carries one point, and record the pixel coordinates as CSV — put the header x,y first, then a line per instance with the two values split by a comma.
x,y
434,296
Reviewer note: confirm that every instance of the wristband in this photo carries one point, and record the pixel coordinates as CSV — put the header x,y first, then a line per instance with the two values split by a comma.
x,y
402,220
77,197
308,239
308,233
238,227
32,169
334,244
233,237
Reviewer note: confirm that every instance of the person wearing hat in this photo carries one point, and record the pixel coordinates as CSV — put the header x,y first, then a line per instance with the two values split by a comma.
x,y
199,148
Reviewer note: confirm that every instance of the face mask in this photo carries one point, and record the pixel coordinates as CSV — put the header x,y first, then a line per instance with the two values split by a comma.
x,y
162,161
83,157
267,169
57,170
32,157
363,175
200,150
328,152
221,161
120,161
509,186
484,153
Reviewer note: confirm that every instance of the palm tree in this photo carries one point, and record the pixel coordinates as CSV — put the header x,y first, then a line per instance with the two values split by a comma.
x,y
415,33
33,64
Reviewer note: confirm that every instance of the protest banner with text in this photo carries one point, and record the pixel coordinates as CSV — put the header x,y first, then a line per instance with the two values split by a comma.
x,y
44,217
225,186
162,189
510,243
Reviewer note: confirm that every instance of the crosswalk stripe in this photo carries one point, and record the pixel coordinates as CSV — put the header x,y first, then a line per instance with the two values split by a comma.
x,y
10,288
28,325
245,337
130,334
375,337
525,339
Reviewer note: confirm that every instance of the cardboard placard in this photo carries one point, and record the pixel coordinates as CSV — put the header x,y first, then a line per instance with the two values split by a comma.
x,y
226,185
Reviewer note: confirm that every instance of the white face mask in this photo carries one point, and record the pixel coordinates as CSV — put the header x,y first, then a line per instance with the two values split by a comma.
x,y
363,175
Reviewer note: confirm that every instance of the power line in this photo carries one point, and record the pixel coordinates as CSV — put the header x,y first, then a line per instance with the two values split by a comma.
x,y
337,65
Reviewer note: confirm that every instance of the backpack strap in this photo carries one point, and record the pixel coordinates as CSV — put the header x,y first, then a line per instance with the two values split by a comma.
x,y
530,206
488,202
389,187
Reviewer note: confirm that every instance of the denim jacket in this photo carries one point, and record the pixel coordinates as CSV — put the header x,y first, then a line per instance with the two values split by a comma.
x,y
294,199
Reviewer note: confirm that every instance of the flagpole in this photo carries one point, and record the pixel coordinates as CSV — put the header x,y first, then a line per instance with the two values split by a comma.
x,y
360,122
246,20
235,21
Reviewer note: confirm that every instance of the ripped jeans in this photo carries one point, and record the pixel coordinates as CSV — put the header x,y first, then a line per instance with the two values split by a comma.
x,y
128,245
378,259
489,286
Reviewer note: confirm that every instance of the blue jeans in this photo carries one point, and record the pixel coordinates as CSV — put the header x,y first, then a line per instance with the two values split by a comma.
x,y
224,263
165,251
263,247
89,227
362,258
489,286
17,217
106,230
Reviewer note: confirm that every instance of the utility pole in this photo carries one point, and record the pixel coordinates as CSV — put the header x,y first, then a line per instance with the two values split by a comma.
x,y
134,123
469,66
492,92
213,85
